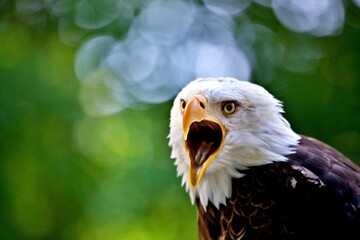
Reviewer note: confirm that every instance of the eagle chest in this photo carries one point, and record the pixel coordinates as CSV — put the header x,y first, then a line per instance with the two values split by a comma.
x,y
268,203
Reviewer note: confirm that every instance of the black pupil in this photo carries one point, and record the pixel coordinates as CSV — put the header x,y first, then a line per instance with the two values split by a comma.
x,y
183,104
229,107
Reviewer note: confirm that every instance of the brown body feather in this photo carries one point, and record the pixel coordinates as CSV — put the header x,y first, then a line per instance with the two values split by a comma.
x,y
315,195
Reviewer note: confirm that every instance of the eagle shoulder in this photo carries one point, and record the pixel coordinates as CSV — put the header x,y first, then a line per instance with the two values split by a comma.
x,y
337,173
313,195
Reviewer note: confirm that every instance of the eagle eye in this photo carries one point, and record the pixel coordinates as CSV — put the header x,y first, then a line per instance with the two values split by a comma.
x,y
229,107
182,104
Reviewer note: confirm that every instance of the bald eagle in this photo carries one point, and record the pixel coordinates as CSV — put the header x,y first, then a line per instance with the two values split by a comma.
x,y
251,175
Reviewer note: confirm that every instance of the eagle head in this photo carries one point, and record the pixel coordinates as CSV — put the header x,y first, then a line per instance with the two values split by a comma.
x,y
219,126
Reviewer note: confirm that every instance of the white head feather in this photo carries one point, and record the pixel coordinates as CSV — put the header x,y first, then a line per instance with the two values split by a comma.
x,y
257,134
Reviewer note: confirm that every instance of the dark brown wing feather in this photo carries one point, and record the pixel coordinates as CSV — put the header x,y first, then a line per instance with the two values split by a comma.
x,y
313,195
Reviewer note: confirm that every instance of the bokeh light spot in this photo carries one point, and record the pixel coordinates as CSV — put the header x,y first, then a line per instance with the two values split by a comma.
x,y
227,6
91,54
319,18
92,14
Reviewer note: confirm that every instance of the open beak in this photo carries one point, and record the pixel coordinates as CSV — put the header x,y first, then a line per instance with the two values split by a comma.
x,y
204,137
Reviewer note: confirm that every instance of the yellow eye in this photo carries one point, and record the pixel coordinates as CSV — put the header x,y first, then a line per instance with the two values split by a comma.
x,y
182,104
229,107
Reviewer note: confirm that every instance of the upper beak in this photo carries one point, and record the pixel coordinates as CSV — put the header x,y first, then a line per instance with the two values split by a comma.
x,y
194,112
203,135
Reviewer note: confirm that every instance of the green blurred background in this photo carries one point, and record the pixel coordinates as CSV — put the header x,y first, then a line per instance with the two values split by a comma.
x,y
84,104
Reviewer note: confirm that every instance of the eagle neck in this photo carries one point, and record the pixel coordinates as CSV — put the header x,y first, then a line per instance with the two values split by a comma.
x,y
243,150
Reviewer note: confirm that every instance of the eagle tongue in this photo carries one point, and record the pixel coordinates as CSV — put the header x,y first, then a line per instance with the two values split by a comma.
x,y
203,152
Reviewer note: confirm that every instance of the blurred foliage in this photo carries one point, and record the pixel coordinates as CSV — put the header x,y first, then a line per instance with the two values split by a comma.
x,y
67,172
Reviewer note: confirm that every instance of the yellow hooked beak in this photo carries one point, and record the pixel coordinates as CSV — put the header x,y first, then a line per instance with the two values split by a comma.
x,y
203,135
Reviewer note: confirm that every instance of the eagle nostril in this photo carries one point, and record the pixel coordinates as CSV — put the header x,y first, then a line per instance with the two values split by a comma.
x,y
201,100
